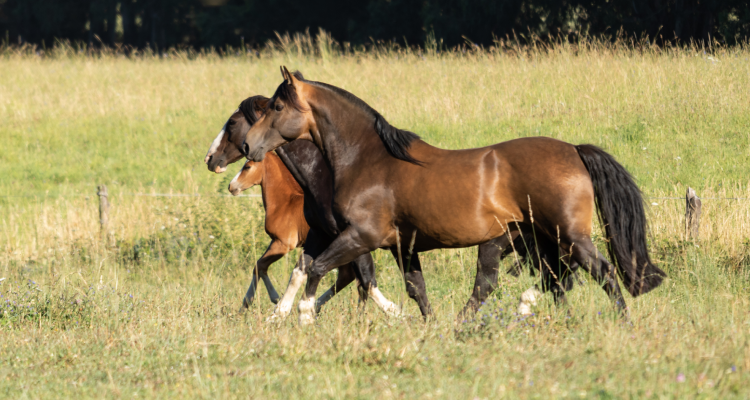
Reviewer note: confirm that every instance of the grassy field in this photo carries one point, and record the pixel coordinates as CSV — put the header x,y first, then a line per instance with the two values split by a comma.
x,y
151,310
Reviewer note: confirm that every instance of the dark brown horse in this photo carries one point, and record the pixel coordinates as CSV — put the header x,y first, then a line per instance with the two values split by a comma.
x,y
390,185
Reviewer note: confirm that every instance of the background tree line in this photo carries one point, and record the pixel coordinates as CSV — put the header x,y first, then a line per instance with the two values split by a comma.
x,y
202,23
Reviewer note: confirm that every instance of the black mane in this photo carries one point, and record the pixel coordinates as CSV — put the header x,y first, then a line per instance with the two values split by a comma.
x,y
250,108
396,141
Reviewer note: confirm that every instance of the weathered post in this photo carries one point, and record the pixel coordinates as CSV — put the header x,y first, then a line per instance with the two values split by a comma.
x,y
692,214
103,210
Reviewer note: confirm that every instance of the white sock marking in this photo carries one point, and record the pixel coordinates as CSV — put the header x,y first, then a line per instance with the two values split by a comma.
x,y
528,299
284,307
386,305
306,311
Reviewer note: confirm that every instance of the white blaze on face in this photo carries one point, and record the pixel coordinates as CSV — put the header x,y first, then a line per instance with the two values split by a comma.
x,y
217,142
234,184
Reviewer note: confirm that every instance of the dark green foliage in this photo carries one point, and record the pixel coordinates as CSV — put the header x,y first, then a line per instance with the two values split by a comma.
x,y
202,23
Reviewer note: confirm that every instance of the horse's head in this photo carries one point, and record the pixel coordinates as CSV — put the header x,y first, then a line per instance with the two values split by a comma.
x,y
225,149
250,175
287,117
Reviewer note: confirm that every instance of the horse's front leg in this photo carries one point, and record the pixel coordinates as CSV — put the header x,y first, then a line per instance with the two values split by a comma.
x,y
344,249
316,242
345,277
274,252
414,281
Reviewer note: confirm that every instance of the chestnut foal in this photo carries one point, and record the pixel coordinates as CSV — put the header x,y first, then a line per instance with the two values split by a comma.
x,y
285,223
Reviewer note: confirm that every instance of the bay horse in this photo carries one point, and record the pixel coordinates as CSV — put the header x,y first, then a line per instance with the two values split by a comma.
x,y
390,185
283,207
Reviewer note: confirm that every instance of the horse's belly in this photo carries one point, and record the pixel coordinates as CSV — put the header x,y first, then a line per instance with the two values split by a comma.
x,y
462,229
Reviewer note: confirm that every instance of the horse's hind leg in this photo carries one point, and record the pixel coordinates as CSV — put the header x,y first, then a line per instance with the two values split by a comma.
x,y
368,285
414,281
345,277
488,264
362,265
274,252
587,256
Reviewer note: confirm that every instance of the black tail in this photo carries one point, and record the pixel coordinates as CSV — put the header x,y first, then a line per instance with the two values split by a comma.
x,y
620,208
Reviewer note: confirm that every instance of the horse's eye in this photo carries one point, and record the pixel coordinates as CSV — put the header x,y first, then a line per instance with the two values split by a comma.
x,y
279,107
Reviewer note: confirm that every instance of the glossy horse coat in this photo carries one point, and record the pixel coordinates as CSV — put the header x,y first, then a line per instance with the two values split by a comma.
x,y
389,184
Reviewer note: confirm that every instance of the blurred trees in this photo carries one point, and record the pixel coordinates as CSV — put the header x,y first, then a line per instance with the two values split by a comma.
x,y
201,23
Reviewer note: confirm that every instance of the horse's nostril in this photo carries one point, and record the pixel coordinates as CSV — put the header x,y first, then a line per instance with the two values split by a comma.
x,y
245,149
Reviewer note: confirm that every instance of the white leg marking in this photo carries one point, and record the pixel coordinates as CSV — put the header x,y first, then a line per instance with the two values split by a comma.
x,y
284,307
386,305
306,311
271,290
528,299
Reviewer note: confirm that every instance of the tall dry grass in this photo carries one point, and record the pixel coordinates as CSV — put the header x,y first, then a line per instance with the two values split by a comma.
x,y
150,309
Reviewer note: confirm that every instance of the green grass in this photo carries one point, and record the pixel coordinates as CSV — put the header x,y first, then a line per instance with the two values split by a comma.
x,y
151,311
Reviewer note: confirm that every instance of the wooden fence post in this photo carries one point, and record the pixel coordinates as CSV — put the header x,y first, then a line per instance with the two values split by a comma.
x,y
692,214
103,210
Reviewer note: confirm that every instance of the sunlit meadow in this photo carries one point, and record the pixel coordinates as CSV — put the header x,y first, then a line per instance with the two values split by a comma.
x,y
149,308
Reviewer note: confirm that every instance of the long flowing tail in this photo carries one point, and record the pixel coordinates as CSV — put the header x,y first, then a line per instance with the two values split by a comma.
x,y
620,208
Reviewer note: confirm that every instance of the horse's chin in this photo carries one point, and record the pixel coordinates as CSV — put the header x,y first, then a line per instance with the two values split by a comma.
x,y
219,169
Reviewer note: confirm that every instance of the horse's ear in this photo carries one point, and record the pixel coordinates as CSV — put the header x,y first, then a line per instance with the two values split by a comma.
x,y
286,75
259,106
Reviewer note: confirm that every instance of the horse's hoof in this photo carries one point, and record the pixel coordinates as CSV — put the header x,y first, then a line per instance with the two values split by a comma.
x,y
306,319
306,312
524,309
275,319
394,312
244,307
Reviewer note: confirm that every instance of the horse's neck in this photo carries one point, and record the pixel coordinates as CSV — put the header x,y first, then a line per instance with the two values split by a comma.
x,y
340,140
278,185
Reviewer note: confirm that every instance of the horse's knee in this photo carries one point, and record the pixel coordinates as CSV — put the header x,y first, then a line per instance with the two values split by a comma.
x,y
315,272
